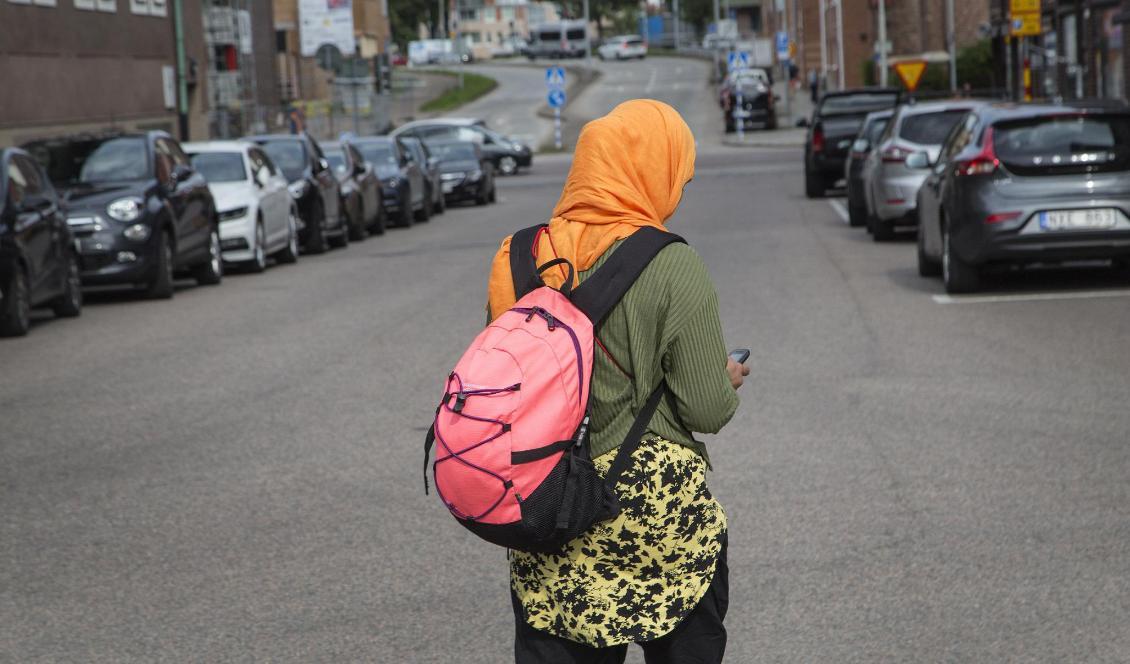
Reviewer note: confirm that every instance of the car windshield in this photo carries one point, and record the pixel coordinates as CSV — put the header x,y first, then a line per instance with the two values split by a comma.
x,y
219,166
930,128
288,155
863,102
453,151
381,156
1065,142
336,161
93,161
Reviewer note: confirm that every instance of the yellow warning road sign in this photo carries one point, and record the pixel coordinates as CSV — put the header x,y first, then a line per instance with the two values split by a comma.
x,y
1023,6
1026,25
910,72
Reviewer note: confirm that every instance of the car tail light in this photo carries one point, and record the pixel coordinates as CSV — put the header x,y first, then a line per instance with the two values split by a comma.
x,y
818,140
894,155
1001,217
984,162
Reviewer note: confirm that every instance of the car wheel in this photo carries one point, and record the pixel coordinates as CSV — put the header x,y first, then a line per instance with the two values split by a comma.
x,y
957,275
1122,267
341,239
258,262
857,215
160,287
441,202
404,220
425,211
15,316
493,194
483,198
316,238
813,185
771,123
927,267
211,271
881,231
290,253
357,231
69,304
508,165
378,227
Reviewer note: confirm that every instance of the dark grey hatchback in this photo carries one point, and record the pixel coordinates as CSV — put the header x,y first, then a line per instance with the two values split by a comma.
x,y
1024,184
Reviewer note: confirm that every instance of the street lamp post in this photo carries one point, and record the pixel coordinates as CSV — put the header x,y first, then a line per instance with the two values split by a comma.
x,y
840,40
951,45
823,43
883,43
588,41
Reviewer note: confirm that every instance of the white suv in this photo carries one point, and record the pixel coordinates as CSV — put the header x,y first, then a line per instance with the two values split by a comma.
x,y
623,47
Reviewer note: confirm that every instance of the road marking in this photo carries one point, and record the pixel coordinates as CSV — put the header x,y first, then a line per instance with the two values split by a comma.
x,y
838,206
651,80
1029,297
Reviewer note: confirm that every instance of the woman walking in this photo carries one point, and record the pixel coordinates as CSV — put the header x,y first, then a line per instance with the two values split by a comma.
x,y
655,574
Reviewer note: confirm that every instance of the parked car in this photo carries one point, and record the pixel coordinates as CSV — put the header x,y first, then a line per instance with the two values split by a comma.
x,y
623,47
889,187
1017,184
559,39
360,189
430,168
312,185
257,216
138,209
466,174
38,262
833,128
507,154
758,101
403,191
873,126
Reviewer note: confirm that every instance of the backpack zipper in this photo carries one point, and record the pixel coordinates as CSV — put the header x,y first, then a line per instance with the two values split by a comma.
x,y
552,323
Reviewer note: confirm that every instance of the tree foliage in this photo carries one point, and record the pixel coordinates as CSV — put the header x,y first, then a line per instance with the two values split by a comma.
x,y
405,16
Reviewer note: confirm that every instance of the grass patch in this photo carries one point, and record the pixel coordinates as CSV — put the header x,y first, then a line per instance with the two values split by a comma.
x,y
474,86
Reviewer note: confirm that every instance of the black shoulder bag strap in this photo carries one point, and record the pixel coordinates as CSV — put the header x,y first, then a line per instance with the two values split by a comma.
x,y
632,440
598,294
523,265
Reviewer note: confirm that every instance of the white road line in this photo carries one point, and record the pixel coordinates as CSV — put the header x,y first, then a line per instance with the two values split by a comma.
x,y
651,80
840,210
1030,297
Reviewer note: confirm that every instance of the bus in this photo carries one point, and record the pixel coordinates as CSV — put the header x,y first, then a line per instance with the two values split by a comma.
x,y
560,39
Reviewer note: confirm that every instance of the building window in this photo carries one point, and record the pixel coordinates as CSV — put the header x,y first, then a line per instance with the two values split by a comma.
x,y
45,3
20,2
148,7
468,15
84,4
280,41
109,6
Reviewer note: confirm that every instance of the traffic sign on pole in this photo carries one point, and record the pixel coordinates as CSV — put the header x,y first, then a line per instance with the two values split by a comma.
x,y
782,45
556,98
910,72
555,77
737,60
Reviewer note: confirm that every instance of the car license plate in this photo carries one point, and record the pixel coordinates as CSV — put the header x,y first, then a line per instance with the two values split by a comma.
x,y
1065,220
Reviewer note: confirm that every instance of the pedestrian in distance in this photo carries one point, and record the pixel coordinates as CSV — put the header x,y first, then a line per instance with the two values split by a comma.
x,y
655,574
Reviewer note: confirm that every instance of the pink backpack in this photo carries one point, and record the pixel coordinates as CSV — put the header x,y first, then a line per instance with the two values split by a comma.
x,y
512,464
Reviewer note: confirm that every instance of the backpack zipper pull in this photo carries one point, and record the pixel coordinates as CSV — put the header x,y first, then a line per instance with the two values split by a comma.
x,y
460,401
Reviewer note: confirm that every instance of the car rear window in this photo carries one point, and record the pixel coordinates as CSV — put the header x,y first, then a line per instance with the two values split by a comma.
x,y
289,155
1064,144
875,129
930,128
863,102
92,161
219,166
574,35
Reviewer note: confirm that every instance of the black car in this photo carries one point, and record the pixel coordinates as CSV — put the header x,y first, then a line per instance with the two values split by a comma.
x,y
312,185
506,154
1022,184
139,210
758,103
434,185
402,178
833,128
360,189
873,126
465,173
38,263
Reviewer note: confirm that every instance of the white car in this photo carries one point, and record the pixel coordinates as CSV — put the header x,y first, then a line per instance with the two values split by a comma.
x,y
624,47
258,217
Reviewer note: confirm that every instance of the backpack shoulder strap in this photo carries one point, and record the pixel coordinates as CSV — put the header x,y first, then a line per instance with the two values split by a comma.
x,y
523,266
598,294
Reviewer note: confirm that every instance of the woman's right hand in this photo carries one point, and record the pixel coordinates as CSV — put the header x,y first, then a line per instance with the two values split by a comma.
x,y
737,372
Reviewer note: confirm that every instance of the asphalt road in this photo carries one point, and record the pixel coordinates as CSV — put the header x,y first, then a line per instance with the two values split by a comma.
x,y
235,475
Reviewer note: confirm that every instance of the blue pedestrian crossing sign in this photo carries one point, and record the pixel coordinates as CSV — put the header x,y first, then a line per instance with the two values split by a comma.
x,y
782,45
556,98
555,78
738,60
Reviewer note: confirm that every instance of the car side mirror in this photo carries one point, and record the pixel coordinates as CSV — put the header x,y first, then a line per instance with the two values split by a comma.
x,y
861,145
803,122
323,165
181,172
918,161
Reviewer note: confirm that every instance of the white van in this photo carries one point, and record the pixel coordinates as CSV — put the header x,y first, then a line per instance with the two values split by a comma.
x,y
561,39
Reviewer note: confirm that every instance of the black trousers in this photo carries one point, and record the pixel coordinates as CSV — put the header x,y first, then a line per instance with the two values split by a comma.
x,y
699,639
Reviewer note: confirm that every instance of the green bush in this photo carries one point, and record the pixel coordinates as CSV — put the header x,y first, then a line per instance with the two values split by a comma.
x,y
474,86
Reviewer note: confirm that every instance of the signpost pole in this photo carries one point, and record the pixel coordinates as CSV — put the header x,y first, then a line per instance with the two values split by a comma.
x,y
883,43
557,128
951,45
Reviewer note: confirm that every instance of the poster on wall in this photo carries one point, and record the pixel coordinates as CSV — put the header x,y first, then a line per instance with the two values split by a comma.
x,y
323,22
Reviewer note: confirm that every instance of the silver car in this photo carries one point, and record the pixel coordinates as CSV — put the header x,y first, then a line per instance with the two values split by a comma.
x,y
1017,184
889,186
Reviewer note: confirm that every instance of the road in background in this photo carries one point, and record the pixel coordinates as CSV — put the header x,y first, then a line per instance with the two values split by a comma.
x,y
236,473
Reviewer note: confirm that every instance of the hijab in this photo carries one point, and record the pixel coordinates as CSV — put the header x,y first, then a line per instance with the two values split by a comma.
x,y
629,169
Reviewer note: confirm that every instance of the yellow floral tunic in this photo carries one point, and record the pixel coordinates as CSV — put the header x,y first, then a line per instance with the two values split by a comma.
x,y
633,578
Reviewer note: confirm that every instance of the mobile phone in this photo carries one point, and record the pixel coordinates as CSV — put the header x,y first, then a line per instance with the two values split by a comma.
x,y
740,355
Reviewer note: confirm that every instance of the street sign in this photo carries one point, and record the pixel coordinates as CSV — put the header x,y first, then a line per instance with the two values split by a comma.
x,y
910,72
782,45
1026,25
555,78
1023,6
737,60
556,98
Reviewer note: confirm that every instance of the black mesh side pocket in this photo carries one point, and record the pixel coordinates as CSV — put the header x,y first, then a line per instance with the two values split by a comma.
x,y
567,503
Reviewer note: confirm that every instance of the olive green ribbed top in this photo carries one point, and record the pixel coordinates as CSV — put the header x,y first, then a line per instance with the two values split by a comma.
x,y
666,326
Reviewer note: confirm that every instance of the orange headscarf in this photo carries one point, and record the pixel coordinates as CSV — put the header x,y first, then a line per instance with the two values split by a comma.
x,y
629,170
